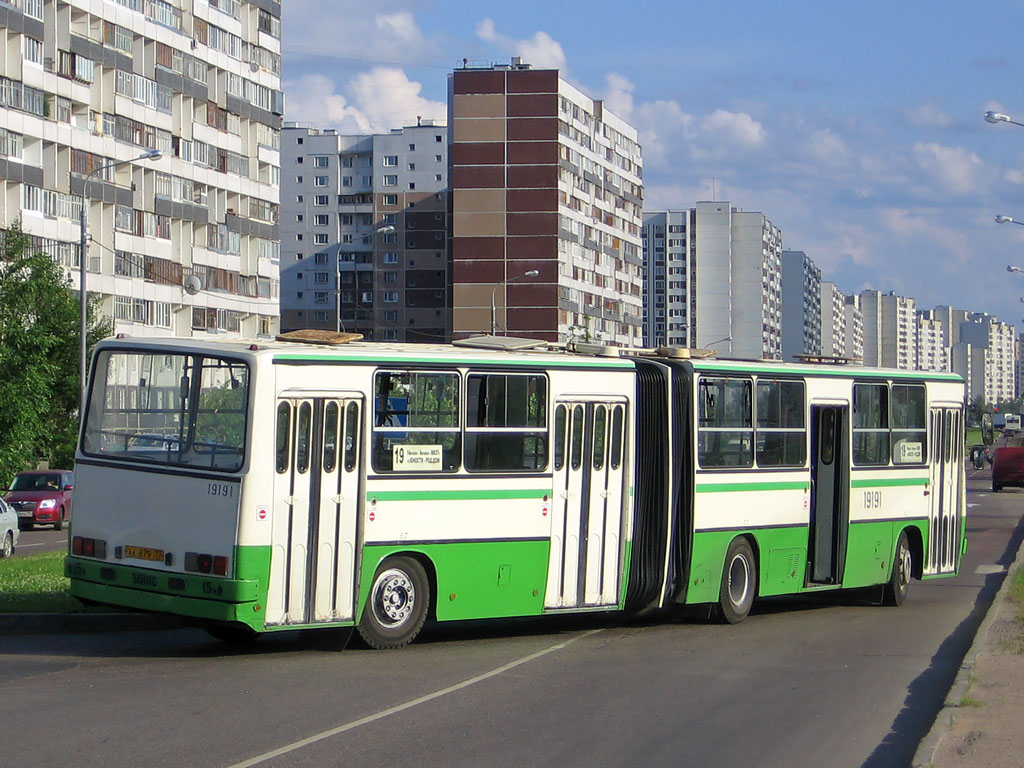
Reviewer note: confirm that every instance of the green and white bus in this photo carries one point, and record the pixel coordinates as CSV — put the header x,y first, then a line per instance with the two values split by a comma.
x,y
256,487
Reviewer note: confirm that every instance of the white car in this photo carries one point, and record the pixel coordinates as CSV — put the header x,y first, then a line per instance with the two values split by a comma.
x,y
8,529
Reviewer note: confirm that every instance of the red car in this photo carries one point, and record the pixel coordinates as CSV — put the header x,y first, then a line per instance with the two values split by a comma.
x,y
1008,467
42,497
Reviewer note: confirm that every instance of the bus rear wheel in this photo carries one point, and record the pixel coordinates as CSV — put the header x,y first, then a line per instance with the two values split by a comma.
x,y
895,591
397,605
739,583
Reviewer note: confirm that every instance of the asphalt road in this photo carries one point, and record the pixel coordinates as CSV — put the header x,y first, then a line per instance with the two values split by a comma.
x,y
835,682
40,540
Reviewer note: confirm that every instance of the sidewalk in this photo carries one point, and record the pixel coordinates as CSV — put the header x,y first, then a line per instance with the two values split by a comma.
x,y
981,722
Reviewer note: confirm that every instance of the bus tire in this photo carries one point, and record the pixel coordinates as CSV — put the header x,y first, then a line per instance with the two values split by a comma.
x,y
739,583
895,591
397,605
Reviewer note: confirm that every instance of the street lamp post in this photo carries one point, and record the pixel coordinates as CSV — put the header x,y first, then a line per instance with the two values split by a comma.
x,y
386,229
83,296
998,117
494,323
718,341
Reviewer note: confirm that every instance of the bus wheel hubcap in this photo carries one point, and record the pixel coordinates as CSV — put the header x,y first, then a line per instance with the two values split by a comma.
x,y
395,597
904,566
739,580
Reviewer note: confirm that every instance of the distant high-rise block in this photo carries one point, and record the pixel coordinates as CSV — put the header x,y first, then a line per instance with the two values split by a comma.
x,y
542,178
364,239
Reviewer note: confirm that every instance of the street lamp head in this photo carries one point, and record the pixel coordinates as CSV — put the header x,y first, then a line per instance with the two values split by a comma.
x,y
996,117
1011,268
386,229
153,154
1004,220
531,273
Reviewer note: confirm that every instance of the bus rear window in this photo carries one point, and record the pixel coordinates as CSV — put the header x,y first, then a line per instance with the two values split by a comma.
x,y
185,410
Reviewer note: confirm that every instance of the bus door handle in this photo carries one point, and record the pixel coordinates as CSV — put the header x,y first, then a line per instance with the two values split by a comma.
x,y
336,498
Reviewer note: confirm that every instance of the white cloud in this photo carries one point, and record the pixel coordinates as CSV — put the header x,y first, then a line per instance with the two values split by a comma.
x,y
928,116
540,51
826,147
956,168
377,101
909,226
619,95
737,128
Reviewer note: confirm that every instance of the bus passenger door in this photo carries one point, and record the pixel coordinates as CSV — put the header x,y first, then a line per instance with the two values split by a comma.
x,y
944,483
588,497
830,497
316,502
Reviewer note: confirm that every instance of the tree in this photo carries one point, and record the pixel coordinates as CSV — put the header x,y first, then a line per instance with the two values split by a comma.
x,y
39,319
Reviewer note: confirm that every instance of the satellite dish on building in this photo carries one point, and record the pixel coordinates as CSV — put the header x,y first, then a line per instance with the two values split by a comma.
x,y
193,285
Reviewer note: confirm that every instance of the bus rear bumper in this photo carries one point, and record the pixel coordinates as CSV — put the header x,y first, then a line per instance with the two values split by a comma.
x,y
161,592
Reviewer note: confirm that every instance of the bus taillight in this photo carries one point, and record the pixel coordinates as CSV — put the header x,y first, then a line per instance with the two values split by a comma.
x,y
204,563
80,545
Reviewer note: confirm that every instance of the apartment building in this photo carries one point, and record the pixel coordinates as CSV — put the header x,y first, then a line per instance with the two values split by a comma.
x,y
91,85
364,232
987,348
722,285
667,277
543,178
833,320
854,321
890,330
800,306
932,346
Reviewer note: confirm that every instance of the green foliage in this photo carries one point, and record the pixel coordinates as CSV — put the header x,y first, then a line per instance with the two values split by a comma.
x,y
39,319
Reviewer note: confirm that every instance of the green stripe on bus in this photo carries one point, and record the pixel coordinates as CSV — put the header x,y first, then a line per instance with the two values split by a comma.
x,y
385,361
785,485
889,482
838,372
453,495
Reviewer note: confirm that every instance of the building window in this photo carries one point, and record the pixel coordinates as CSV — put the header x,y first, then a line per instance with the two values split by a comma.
x,y
390,258
319,200
391,160
390,199
320,220
320,161
390,297
320,238
320,181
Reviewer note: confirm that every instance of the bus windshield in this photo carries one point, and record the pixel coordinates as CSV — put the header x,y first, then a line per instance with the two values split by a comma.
x,y
168,408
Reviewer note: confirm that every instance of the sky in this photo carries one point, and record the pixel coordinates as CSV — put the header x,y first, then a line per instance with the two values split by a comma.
x,y
857,128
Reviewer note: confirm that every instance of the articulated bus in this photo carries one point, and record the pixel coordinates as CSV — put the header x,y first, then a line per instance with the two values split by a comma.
x,y
256,487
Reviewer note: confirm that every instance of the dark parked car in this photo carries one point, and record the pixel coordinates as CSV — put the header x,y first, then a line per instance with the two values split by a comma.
x,y
42,497
1008,467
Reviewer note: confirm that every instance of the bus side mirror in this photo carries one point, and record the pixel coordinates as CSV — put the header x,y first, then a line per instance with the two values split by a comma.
x,y
987,431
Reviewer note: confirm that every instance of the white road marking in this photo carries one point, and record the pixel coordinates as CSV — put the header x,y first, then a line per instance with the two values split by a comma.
x,y
407,705
969,505
40,544
985,570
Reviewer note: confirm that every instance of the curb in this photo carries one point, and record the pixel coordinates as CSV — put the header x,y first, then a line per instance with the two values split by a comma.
x,y
77,623
947,715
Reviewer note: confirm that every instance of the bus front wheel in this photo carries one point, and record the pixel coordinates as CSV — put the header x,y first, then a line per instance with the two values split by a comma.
x,y
397,605
896,588
739,583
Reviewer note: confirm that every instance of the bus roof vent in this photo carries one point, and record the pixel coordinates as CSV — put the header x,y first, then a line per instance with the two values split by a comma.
x,y
314,336
827,359
507,343
585,348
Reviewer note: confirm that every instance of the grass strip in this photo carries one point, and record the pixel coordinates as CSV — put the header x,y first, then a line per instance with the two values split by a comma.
x,y
1017,595
36,584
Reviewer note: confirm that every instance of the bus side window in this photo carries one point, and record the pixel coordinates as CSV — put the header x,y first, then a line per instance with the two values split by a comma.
x,y
302,438
330,437
615,459
558,450
577,437
600,433
351,436
284,432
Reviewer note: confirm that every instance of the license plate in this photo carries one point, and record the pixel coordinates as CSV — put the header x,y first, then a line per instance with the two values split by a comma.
x,y
144,553
24,513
